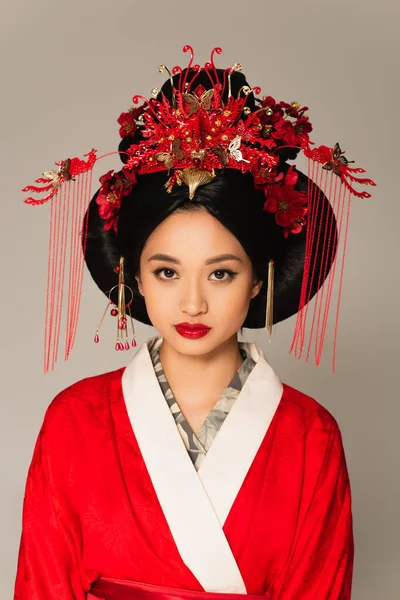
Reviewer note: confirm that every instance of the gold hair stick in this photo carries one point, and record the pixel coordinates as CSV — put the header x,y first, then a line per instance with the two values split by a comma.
x,y
161,70
269,314
237,67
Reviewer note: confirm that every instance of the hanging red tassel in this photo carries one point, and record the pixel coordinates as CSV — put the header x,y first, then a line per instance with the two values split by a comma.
x,y
329,173
69,191
77,254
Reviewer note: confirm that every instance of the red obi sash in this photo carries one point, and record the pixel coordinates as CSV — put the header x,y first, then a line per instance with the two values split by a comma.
x,y
122,589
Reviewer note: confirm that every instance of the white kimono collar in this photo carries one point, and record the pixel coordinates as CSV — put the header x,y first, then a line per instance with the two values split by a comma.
x,y
197,503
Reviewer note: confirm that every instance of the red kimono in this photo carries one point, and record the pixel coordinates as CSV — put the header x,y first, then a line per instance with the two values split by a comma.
x,y
267,513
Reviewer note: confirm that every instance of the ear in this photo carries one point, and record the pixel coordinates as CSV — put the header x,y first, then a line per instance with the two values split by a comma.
x,y
256,287
139,285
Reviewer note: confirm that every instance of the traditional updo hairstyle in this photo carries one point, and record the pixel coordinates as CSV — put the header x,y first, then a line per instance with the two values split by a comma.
x,y
231,198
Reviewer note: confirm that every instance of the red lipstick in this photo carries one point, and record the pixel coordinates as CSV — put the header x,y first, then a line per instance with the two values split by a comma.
x,y
192,330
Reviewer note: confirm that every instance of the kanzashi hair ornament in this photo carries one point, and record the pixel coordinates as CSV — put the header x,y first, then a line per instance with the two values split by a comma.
x,y
67,210
120,310
198,134
269,312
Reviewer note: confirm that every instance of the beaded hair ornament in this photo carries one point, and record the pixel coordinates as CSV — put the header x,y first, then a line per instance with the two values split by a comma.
x,y
189,138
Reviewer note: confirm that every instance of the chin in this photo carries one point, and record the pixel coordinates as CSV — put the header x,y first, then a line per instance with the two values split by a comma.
x,y
207,344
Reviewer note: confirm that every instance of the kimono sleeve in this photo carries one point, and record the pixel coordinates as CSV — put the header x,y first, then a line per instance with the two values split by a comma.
x,y
48,559
321,562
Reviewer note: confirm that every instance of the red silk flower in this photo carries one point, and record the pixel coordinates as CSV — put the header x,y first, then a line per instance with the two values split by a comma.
x,y
113,187
127,120
288,205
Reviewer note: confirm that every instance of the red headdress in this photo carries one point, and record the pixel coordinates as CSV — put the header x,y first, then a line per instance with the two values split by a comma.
x,y
190,137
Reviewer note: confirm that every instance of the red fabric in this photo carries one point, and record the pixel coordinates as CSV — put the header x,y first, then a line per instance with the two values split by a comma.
x,y
117,589
90,508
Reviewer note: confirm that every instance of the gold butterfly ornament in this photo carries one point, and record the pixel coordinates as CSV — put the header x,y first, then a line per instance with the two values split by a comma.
x,y
337,159
57,177
168,157
234,151
193,102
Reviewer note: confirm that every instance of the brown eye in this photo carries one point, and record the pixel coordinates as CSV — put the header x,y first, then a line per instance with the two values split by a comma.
x,y
168,274
164,270
231,274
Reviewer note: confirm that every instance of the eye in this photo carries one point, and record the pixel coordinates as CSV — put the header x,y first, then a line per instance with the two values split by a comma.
x,y
158,271
167,272
231,274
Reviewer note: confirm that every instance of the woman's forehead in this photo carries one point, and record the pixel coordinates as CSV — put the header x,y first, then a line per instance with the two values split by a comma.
x,y
192,230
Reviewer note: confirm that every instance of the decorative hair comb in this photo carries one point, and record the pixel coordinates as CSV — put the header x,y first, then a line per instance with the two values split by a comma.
x,y
190,137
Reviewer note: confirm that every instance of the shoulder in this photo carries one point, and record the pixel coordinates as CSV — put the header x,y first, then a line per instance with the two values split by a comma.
x,y
88,396
311,414
316,428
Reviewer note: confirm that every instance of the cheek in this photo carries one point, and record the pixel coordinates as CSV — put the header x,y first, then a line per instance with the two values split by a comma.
x,y
159,298
231,301
239,301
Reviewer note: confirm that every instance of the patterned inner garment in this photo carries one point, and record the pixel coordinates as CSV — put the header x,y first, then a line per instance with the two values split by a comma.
x,y
198,445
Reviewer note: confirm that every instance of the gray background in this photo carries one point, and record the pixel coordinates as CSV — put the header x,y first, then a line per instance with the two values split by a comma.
x,y
68,70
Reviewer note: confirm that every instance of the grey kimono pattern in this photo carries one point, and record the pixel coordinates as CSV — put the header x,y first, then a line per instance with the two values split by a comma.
x,y
198,445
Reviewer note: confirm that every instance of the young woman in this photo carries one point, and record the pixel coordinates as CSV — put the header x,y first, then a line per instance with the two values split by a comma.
x,y
194,471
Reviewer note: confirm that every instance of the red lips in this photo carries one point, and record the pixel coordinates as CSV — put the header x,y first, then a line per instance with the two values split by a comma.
x,y
192,330
187,325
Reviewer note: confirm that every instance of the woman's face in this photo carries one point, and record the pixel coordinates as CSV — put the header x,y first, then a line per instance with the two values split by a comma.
x,y
190,284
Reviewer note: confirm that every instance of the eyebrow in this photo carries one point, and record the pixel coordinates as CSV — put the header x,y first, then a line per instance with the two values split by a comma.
x,y
209,261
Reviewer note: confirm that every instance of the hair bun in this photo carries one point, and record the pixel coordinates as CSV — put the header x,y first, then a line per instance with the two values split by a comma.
x,y
238,80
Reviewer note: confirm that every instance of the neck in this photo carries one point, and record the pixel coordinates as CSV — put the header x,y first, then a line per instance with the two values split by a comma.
x,y
206,372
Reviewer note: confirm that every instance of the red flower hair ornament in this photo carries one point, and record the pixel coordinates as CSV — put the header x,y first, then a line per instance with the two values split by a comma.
x,y
114,186
189,138
287,204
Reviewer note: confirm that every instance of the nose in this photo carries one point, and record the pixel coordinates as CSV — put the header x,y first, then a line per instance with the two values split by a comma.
x,y
193,300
